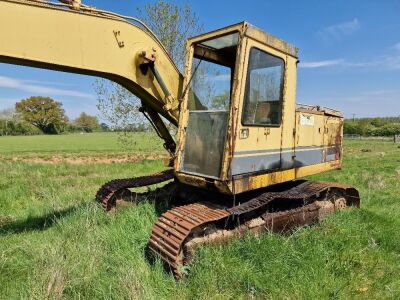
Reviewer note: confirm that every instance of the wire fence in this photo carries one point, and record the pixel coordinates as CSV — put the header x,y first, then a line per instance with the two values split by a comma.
x,y
352,136
395,138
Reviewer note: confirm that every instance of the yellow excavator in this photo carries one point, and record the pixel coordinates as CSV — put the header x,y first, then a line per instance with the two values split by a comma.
x,y
242,142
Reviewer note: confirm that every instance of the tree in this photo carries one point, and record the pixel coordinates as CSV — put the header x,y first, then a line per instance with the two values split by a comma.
x,y
172,24
104,127
221,101
8,114
377,122
86,122
351,127
43,113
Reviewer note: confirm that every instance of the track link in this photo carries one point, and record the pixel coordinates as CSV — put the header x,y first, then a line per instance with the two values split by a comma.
x,y
105,195
174,227
178,226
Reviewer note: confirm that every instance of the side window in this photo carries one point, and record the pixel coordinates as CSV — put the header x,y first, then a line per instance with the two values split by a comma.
x,y
263,96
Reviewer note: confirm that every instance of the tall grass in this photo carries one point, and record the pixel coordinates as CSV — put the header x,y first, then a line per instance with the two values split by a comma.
x,y
55,242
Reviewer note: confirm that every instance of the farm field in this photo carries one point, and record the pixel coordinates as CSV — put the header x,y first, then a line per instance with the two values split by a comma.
x,y
80,148
56,242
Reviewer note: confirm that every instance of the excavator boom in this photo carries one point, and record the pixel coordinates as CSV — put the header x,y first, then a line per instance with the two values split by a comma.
x,y
88,41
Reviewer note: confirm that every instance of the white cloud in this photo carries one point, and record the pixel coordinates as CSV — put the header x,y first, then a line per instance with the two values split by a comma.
x,y
321,63
381,92
384,62
338,31
48,82
391,62
372,103
40,88
396,46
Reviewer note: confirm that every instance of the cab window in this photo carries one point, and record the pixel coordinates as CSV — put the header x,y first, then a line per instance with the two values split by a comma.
x,y
263,96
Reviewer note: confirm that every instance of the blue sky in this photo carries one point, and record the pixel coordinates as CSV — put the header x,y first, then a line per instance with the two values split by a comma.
x,y
349,53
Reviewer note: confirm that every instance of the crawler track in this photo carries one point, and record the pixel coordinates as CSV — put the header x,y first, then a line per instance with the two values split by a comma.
x,y
272,210
106,194
174,227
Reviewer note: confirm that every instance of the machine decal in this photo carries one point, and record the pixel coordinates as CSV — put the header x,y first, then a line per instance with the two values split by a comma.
x,y
306,120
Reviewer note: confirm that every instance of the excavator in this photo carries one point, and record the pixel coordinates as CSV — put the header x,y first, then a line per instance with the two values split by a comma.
x,y
242,145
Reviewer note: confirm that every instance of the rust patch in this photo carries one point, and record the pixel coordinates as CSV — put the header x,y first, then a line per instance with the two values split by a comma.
x,y
338,141
170,232
278,222
179,230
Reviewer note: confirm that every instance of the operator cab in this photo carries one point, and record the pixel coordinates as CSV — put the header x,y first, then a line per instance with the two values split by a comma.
x,y
233,106
209,98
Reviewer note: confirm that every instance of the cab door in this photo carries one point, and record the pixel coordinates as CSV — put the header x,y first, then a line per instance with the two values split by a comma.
x,y
332,141
259,133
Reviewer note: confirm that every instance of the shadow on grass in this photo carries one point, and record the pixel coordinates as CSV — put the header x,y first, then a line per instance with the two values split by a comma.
x,y
162,198
43,222
36,223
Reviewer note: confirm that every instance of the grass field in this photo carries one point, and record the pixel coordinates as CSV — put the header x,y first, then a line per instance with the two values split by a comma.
x,y
55,242
72,144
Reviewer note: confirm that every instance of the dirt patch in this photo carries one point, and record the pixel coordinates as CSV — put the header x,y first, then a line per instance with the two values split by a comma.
x,y
84,160
5,220
375,181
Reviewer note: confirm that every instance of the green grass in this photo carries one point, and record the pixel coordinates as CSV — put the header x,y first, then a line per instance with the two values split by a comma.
x,y
55,242
82,144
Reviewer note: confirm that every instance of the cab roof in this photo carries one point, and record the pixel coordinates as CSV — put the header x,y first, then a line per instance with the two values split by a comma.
x,y
251,32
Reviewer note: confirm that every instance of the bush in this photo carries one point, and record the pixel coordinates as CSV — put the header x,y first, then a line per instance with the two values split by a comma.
x,y
389,126
13,127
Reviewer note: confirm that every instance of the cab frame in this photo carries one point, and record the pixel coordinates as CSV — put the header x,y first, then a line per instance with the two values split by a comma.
x,y
249,149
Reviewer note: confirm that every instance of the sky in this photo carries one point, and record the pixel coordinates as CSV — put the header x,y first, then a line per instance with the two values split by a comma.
x,y
349,53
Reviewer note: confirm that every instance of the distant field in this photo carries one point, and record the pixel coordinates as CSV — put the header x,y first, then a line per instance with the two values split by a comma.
x,y
88,148
55,242
86,143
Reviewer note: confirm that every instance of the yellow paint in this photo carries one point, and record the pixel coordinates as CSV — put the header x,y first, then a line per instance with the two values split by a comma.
x,y
259,181
291,134
87,41
40,35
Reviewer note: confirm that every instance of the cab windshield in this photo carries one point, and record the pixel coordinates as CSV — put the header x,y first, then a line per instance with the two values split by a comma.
x,y
212,72
208,103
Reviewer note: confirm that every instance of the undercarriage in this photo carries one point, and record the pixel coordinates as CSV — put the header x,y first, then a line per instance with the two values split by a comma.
x,y
201,217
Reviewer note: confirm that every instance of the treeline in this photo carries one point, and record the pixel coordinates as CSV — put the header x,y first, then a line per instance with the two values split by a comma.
x,y
387,126
15,126
43,115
